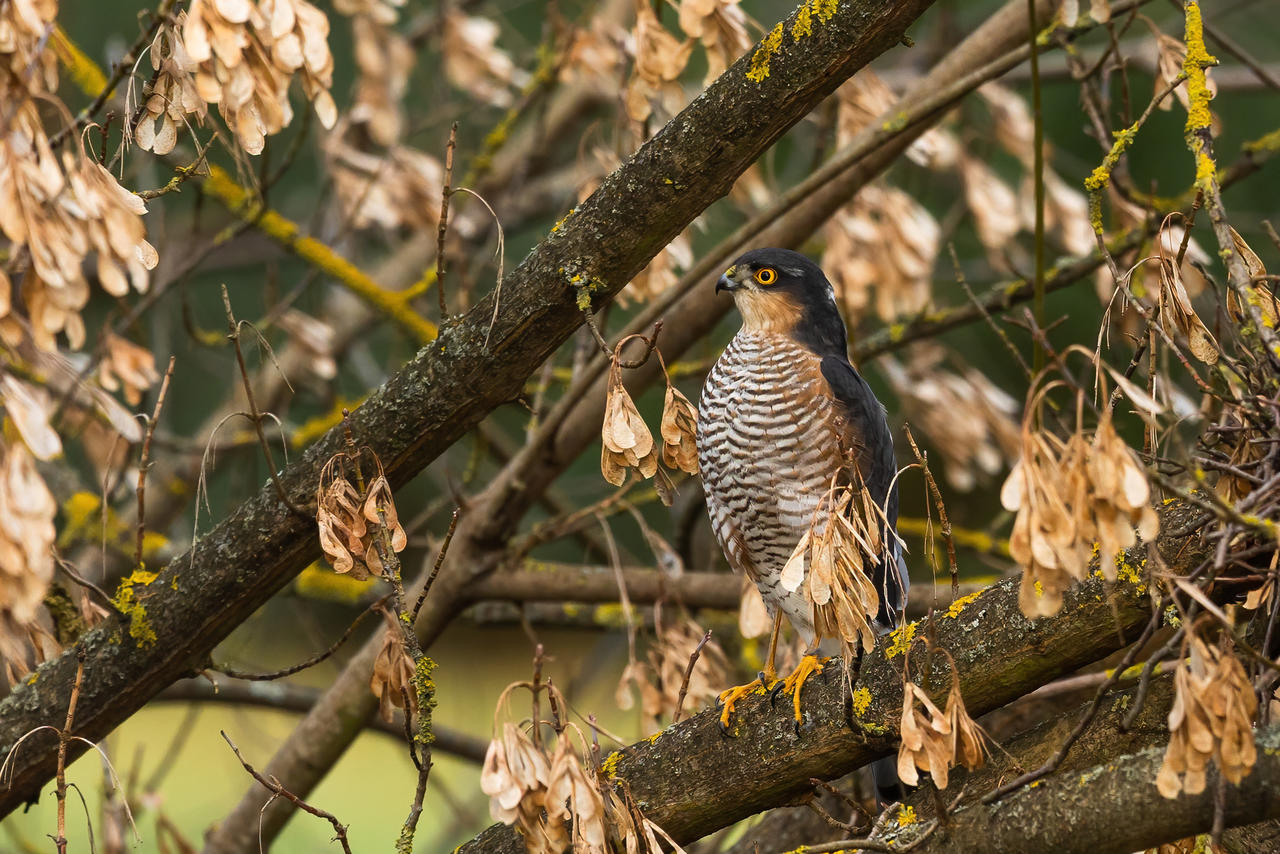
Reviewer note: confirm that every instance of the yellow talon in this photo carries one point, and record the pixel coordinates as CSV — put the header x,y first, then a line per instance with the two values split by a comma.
x,y
730,698
767,679
793,684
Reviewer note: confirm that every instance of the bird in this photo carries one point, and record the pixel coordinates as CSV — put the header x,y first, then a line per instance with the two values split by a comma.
x,y
783,417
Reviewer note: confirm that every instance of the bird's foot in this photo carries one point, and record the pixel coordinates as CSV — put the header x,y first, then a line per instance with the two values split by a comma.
x,y
793,684
728,699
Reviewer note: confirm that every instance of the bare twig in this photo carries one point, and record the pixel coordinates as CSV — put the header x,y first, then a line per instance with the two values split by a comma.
x,y
442,228
143,462
688,674
310,662
1037,360
871,844
64,737
233,335
435,569
276,788
942,514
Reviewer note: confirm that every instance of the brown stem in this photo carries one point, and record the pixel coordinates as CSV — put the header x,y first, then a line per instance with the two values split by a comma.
x,y
442,228
688,674
274,786
143,463
255,417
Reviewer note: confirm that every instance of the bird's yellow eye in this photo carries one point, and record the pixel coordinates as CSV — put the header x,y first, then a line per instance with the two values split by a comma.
x,y
766,276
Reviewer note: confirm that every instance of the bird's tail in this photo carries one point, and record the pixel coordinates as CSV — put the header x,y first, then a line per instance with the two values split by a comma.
x,y
889,787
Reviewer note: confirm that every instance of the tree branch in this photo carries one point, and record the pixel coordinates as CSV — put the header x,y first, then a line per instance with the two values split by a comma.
x,y
290,697
691,781
1112,807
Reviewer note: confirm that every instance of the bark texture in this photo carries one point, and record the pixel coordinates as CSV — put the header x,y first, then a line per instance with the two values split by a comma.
x,y
1111,807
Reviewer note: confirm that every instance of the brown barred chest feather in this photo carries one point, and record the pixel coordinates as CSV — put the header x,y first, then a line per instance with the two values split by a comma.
x,y
769,443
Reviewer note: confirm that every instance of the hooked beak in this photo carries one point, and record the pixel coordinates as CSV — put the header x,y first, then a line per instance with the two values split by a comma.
x,y
726,282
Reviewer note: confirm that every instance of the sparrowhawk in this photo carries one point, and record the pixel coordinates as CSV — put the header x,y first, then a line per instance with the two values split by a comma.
x,y
783,416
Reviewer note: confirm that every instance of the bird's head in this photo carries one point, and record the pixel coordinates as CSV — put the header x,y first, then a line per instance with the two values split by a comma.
x,y
780,291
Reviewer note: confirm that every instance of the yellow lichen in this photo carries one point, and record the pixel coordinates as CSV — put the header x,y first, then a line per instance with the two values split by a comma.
x,y
900,640
959,605
907,816
84,72
825,9
82,521
152,542
1199,117
861,700
610,764
129,603
804,23
1101,175
609,614
1267,143
751,654
1127,570
772,44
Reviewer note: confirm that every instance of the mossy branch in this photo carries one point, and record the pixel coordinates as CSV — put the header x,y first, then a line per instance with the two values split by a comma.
x,y
1112,807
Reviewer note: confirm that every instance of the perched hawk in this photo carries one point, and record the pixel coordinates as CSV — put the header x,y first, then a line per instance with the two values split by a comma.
x,y
783,416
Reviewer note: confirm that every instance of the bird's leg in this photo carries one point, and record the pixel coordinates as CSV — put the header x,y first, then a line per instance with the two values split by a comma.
x,y
770,674
810,664
728,699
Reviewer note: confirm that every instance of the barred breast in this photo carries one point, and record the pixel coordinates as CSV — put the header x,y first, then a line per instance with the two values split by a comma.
x,y
768,449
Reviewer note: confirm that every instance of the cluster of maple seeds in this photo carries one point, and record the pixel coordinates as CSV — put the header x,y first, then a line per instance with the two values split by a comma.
x,y
392,679
56,210
661,57
384,59
662,679
26,548
1068,496
832,562
1212,719
1240,439
970,420
881,248
357,519
626,442
171,99
934,740
242,55
558,802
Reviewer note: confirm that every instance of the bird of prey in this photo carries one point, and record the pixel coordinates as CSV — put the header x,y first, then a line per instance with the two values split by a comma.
x,y
784,416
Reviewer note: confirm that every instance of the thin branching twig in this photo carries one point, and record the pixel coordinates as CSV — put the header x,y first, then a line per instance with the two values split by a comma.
x,y
278,790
